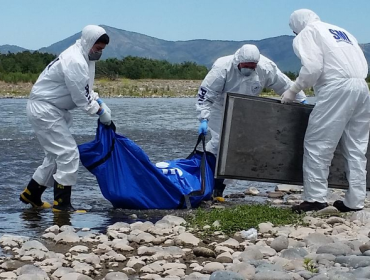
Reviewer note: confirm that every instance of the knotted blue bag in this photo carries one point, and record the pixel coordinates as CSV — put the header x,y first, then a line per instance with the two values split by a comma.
x,y
128,179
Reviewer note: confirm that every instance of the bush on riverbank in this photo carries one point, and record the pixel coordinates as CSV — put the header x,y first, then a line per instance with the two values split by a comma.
x,y
23,67
135,68
15,78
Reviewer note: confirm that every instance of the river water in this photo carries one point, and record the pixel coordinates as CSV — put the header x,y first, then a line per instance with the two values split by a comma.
x,y
165,128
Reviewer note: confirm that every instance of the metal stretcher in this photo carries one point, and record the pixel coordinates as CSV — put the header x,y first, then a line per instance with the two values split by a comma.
x,y
262,140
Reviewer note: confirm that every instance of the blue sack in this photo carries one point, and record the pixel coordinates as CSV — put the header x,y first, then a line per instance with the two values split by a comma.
x,y
128,179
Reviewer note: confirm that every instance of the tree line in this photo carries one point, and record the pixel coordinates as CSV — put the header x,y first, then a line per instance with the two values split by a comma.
x,y
145,68
26,67
23,66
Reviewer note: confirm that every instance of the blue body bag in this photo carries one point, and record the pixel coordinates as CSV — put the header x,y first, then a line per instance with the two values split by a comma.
x,y
128,179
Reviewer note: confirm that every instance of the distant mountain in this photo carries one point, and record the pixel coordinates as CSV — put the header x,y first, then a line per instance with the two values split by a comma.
x,y
366,49
4,49
204,52
124,43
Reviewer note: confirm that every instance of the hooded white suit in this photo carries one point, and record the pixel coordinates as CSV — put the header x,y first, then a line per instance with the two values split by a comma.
x,y
334,64
66,83
225,77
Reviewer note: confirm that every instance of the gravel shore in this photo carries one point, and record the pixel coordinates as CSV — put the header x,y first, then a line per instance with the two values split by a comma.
x,y
329,245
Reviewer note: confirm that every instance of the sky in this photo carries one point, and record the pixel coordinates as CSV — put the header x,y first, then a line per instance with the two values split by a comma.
x,y
33,24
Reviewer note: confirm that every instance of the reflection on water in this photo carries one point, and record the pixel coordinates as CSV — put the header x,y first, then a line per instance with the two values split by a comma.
x,y
164,128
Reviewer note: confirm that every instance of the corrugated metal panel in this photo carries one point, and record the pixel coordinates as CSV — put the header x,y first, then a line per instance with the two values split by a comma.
x,y
262,140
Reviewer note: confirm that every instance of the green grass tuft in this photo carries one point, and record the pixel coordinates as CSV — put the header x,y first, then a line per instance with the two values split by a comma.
x,y
310,265
242,217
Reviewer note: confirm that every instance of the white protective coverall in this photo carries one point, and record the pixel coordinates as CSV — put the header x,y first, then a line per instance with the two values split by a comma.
x,y
66,83
334,64
225,77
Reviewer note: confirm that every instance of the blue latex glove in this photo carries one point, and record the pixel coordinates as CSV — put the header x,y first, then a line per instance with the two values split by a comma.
x,y
304,102
203,127
103,105
100,102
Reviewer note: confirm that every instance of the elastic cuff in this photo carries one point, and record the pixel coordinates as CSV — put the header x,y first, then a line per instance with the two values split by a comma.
x,y
101,112
100,102
295,88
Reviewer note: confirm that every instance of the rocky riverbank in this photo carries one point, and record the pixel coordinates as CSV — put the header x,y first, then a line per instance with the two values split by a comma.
x,y
119,88
122,88
328,245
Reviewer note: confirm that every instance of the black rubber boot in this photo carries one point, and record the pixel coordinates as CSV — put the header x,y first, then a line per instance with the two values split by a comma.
x,y
32,195
62,199
218,190
343,208
306,206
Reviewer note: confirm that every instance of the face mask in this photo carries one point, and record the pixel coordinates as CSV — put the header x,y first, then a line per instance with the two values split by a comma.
x,y
95,55
246,71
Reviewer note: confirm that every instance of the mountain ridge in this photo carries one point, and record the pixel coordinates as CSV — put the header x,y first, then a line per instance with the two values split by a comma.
x,y
201,51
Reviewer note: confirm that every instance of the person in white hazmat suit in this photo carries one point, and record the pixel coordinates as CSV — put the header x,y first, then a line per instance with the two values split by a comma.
x,y
334,64
66,83
245,72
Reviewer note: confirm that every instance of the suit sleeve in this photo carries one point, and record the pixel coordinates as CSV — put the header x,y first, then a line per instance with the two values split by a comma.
x,y
77,81
309,52
209,91
279,82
